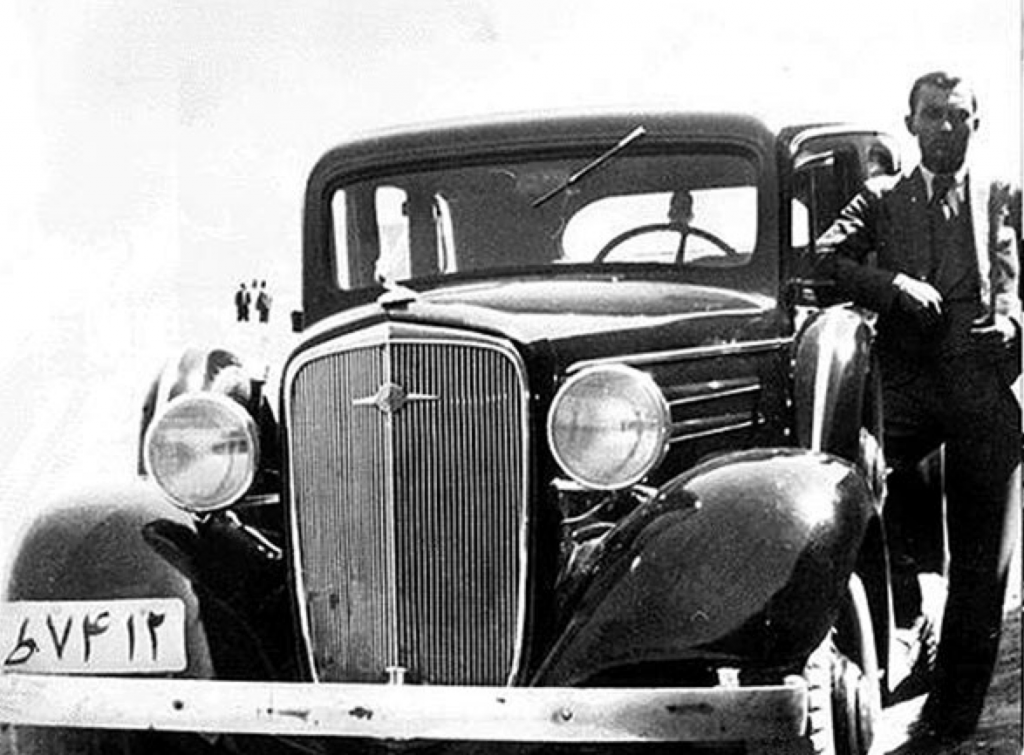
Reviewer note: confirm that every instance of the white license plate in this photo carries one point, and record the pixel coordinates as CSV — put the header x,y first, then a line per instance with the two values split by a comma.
x,y
93,636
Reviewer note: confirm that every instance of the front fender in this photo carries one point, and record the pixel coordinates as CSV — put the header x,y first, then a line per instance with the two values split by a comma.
x,y
91,547
743,561
831,368
220,371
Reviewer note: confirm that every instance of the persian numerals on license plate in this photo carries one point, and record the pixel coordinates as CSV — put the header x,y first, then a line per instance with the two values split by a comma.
x,y
93,637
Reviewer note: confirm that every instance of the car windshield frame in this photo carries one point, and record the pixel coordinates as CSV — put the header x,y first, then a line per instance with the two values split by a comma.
x,y
651,168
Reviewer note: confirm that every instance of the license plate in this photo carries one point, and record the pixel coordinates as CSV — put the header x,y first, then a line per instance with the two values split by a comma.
x,y
93,636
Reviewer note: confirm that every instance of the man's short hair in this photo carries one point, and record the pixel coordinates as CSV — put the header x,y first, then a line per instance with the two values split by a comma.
x,y
942,80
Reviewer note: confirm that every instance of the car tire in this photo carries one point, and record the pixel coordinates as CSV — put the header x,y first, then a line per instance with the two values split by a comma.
x,y
844,696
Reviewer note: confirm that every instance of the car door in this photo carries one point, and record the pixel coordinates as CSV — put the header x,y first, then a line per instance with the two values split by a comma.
x,y
823,167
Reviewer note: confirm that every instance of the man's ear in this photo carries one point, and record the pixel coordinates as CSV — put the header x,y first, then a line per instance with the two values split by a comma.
x,y
908,120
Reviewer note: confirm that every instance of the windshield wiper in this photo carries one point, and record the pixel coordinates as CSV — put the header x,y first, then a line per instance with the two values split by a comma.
x,y
628,139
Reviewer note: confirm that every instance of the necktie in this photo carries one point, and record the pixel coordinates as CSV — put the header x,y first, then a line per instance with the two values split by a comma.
x,y
939,212
941,186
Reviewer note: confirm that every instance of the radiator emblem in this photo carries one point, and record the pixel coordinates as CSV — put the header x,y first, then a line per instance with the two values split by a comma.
x,y
390,398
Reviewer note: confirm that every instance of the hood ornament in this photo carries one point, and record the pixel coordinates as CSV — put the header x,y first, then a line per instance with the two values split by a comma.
x,y
395,294
390,398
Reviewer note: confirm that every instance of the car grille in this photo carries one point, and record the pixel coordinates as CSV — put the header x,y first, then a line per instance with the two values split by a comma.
x,y
408,468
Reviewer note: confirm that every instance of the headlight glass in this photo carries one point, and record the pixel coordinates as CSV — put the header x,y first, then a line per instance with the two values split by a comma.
x,y
609,426
202,450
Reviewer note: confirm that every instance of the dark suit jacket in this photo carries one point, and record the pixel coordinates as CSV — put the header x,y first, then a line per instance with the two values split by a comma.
x,y
884,231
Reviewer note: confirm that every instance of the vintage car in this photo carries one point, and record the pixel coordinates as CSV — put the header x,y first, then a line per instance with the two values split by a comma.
x,y
571,450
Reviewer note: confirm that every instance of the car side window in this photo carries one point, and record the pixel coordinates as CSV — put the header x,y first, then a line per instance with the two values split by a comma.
x,y
389,232
827,172
825,178
340,225
821,189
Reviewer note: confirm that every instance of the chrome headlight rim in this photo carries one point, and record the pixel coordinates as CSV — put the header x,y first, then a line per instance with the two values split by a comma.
x,y
658,404
244,422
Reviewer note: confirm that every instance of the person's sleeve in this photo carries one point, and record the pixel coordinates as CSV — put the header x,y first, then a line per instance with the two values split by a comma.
x,y
1004,254
846,252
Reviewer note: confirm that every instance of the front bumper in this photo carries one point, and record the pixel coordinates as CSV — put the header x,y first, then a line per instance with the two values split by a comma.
x,y
505,714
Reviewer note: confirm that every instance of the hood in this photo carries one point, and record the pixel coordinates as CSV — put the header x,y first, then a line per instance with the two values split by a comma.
x,y
570,310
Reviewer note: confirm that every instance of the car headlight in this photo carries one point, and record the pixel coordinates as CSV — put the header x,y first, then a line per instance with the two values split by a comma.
x,y
609,426
202,450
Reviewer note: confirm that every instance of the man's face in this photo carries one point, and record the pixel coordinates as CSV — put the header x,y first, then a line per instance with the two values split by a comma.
x,y
943,121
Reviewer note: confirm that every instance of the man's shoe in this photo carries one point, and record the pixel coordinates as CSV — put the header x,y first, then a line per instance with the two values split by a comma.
x,y
919,648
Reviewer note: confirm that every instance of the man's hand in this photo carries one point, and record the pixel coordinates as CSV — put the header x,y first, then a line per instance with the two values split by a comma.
x,y
994,334
918,298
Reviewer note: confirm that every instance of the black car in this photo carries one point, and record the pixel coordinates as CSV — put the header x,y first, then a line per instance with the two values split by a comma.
x,y
571,449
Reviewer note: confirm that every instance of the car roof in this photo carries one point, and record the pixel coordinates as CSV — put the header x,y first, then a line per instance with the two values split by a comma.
x,y
516,133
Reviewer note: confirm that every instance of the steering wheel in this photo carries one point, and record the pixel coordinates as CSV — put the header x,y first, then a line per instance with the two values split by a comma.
x,y
685,231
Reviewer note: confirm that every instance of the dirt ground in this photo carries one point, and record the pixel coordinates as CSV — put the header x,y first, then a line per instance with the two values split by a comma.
x,y
1001,728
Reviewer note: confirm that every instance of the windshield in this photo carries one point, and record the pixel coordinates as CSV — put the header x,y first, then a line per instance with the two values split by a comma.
x,y
687,210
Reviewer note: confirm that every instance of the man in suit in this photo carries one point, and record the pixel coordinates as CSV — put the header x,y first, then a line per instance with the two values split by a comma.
x,y
242,300
263,302
932,253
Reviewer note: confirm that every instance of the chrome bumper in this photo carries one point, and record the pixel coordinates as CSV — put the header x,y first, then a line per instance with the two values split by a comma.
x,y
500,714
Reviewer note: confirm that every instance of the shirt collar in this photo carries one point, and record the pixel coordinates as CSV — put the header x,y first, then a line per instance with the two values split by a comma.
x,y
960,179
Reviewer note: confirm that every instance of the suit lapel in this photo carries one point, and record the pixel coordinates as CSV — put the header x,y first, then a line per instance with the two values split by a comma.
x,y
912,198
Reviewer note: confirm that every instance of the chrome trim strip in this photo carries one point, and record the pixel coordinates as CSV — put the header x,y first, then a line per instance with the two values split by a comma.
x,y
253,501
735,427
694,352
407,712
382,334
716,395
389,509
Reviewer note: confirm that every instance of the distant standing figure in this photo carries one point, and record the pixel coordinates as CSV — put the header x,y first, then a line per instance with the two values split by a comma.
x,y
242,301
263,302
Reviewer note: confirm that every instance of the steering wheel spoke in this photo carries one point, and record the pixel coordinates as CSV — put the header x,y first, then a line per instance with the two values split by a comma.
x,y
684,231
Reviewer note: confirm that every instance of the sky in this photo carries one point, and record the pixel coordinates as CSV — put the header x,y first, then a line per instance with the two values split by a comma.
x,y
159,149
153,153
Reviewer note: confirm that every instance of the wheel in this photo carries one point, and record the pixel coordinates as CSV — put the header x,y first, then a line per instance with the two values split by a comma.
x,y
821,729
660,228
844,696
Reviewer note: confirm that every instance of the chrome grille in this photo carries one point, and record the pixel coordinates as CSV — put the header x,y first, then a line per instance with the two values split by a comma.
x,y
408,506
